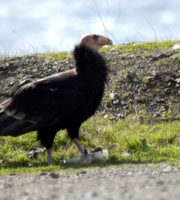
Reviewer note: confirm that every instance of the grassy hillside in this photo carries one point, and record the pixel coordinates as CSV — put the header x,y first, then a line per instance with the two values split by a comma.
x,y
143,87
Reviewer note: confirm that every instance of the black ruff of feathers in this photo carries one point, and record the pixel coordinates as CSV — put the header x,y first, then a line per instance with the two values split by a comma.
x,y
61,101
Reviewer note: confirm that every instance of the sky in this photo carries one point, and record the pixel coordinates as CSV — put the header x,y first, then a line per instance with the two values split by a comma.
x,y
28,26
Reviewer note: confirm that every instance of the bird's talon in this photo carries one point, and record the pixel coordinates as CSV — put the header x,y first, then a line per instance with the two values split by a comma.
x,y
85,151
96,150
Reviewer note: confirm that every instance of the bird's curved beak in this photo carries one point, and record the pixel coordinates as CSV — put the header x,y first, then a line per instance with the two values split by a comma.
x,y
95,41
109,42
102,41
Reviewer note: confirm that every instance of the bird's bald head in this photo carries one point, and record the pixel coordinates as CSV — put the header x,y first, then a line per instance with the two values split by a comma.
x,y
94,41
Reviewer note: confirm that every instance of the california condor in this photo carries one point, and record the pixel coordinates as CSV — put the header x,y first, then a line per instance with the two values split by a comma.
x,y
61,101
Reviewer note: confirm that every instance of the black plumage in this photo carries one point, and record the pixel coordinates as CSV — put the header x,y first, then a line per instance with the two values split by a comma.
x,y
60,101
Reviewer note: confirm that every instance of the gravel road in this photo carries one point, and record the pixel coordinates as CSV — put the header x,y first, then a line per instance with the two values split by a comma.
x,y
138,182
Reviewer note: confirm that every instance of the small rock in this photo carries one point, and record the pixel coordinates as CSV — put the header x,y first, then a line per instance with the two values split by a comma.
x,y
94,194
177,80
154,73
13,174
81,172
160,182
7,64
176,46
54,175
43,174
116,101
120,115
125,154
111,94
105,116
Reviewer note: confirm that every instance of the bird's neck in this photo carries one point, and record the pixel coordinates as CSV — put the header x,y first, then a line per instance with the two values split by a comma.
x,y
90,64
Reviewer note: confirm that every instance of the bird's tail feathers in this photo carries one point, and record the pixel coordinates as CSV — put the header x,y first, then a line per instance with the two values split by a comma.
x,y
12,126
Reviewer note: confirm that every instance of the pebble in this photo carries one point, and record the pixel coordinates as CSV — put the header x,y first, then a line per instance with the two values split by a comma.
x,y
54,175
81,172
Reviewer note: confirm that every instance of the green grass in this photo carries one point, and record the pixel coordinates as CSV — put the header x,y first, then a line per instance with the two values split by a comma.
x,y
58,56
64,55
143,143
140,47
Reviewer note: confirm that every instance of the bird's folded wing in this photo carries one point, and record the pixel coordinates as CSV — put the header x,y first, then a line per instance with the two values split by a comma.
x,y
42,104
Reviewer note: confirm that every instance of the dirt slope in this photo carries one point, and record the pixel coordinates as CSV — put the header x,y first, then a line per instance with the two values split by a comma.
x,y
141,82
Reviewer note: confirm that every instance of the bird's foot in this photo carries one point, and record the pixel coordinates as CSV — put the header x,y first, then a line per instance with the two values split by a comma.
x,y
97,150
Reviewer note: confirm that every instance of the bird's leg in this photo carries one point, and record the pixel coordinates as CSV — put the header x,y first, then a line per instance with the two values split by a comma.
x,y
49,156
79,146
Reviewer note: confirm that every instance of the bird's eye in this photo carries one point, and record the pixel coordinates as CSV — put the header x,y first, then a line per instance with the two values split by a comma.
x,y
95,37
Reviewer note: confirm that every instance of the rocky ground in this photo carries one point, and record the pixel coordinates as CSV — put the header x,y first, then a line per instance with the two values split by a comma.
x,y
138,182
141,82
144,83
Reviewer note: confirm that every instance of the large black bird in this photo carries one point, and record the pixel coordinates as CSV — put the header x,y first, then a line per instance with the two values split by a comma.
x,y
61,101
